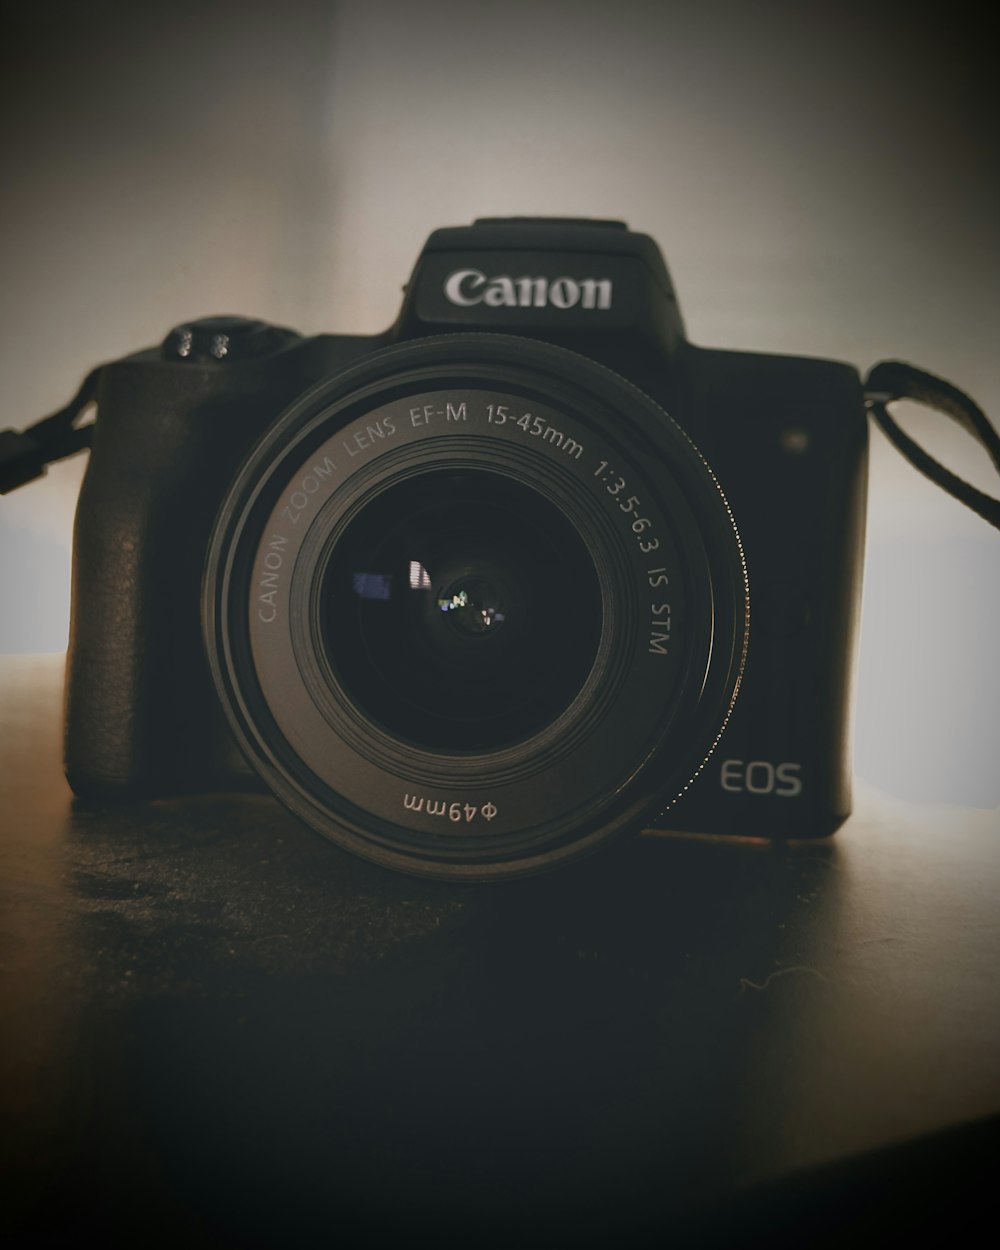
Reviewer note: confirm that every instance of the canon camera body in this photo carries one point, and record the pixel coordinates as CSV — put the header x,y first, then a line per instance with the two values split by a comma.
x,y
477,594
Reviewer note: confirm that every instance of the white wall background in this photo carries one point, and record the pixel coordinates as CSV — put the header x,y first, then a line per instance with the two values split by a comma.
x,y
822,179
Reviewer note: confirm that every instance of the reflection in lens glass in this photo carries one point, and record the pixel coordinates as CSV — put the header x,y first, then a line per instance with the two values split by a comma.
x,y
461,610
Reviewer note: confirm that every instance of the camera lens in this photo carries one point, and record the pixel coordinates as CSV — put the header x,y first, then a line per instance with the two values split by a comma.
x,y
461,610
475,605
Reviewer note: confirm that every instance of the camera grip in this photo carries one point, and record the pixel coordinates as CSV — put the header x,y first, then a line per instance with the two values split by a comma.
x,y
141,716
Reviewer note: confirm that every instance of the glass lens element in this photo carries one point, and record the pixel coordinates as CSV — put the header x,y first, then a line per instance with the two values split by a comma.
x,y
461,610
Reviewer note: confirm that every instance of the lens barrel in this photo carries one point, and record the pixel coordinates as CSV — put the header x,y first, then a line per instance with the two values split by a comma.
x,y
474,606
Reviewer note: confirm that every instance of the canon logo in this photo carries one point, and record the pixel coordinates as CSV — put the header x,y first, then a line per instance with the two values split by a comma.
x,y
470,286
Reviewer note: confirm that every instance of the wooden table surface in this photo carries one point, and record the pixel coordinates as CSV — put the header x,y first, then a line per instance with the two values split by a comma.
x,y
218,1029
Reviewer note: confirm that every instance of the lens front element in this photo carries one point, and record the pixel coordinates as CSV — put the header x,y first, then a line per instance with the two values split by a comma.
x,y
462,612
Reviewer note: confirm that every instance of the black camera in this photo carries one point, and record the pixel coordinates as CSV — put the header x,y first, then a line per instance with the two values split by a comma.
x,y
477,594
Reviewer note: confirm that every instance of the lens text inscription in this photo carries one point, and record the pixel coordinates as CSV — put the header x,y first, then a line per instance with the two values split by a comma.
x,y
274,558
537,427
457,813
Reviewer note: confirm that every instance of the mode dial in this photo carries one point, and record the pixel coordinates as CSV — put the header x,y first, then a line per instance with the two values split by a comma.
x,y
225,339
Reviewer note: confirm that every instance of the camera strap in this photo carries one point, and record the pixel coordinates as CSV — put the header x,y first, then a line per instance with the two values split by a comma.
x,y
24,455
892,380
